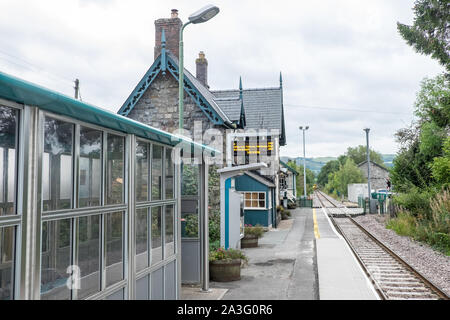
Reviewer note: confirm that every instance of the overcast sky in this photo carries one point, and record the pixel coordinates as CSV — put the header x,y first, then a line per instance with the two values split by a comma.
x,y
335,56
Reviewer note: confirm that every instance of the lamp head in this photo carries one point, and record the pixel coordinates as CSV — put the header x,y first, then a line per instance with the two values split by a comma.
x,y
204,14
307,127
301,128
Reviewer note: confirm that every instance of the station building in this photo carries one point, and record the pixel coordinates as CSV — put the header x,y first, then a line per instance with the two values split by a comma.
x,y
378,174
288,181
89,201
154,101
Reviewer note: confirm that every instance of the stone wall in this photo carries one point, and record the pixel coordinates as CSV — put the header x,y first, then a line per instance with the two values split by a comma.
x,y
158,107
378,176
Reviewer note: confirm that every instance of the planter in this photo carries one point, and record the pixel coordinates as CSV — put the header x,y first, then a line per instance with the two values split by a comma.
x,y
225,270
249,241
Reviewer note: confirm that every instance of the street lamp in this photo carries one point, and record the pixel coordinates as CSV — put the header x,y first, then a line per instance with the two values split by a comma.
x,y
368,164
304,159
200,16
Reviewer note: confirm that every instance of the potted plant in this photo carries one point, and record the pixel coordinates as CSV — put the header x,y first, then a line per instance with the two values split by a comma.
x,y
251,236
225,265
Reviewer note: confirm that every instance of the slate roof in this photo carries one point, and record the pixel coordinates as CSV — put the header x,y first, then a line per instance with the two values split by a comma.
x,y
231,107
373,163
263,107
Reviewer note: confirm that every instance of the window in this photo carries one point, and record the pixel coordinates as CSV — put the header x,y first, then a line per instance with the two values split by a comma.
x,y
142,228
169,234
114,247
156,233
157,172
255,200
115,169
8,142
90,167
169,169
189,200
142,158
57,182
7,245
56,257
89,244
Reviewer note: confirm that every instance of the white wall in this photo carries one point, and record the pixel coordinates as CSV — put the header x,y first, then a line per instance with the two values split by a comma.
x,y
356,189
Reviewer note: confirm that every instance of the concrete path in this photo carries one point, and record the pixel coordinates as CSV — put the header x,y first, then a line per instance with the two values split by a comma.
x,y
340,275
304,259
282,267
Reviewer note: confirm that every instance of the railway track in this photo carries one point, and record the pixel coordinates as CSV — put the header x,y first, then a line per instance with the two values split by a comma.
x,y
393,278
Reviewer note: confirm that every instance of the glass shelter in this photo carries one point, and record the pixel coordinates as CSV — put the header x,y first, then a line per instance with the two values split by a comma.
x,y
89,201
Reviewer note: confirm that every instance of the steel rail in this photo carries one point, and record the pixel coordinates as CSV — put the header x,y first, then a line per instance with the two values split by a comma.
x,y
428,283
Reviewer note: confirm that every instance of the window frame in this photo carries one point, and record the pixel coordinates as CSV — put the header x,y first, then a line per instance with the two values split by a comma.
x,y
16,219
257,200
76,212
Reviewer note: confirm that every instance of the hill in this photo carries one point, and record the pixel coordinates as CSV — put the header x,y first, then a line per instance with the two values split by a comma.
x,y
316,164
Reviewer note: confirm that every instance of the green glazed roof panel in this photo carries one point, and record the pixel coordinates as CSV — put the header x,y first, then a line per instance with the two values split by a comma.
x,y
21,91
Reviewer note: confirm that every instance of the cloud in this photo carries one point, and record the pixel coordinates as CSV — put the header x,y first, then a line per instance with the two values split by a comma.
x,y
343,54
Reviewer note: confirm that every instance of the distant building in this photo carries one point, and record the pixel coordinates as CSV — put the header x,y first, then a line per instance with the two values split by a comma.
x,y
287,180
378,174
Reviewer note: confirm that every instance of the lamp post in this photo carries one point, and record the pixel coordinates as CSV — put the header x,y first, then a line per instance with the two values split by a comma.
x,y
368,164
304,160
200,16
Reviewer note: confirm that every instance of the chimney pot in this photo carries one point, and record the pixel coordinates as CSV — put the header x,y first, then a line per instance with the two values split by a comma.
x,y
174,14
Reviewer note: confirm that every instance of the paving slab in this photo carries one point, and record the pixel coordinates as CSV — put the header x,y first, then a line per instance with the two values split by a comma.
x,y
282,267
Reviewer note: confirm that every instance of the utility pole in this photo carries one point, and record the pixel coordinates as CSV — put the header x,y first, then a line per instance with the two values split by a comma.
x,y
77,88
304,160
368,166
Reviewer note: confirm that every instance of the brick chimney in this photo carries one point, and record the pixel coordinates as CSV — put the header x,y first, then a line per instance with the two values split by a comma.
x,y
171,28
202,69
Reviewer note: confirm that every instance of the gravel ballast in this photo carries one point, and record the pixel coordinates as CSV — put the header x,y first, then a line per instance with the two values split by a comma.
x,y
432,264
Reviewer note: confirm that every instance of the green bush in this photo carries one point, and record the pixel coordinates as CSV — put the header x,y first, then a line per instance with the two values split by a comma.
x,y
229,254
254,230
213,246
416,201
214,227
404,224
191,225
431,225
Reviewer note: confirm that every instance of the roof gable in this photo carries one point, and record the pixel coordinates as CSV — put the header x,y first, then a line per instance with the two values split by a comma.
x,y
373,163
195,89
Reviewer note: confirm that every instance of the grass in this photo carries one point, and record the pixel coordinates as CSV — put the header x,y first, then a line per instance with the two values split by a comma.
x,y
432,227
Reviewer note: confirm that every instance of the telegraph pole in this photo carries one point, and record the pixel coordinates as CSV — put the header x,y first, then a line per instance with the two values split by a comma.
x,y
77,88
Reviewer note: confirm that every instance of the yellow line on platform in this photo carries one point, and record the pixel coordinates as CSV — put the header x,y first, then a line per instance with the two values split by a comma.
x,y
316,226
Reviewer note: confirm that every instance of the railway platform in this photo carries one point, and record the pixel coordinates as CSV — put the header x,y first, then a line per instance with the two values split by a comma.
x,y
339,273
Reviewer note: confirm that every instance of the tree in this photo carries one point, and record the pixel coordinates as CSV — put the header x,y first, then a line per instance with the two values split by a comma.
x,y
330,167
440,166
310,178
347,174
359,154
429,33
424,140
